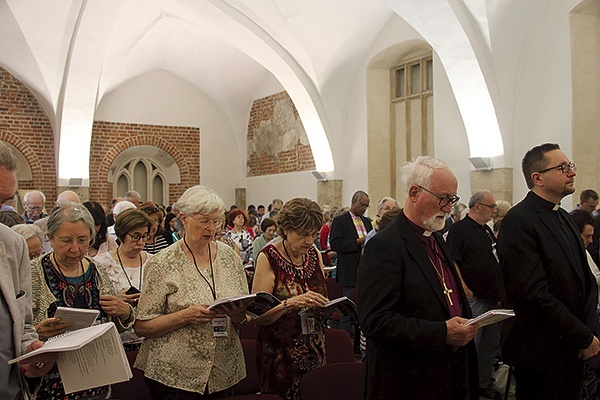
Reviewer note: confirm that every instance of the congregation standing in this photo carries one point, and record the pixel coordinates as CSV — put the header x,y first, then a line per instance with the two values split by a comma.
x,y
428,267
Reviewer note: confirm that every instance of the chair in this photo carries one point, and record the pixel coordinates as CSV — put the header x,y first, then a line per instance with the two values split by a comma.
x,y
334,289
338,346
248,330
135,388
249,385
334,381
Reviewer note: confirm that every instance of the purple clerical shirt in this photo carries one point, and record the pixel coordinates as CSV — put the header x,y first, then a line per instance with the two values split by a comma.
x,y
440,264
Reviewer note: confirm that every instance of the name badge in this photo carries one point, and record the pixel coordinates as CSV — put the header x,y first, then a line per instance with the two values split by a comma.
x,y
219,325
308,322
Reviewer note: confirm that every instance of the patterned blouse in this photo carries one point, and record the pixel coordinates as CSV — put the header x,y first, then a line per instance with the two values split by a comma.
x,y
119,277
190,358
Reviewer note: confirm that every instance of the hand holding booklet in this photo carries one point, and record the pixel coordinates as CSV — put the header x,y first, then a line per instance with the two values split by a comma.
x,y
256,304
491,317
87,358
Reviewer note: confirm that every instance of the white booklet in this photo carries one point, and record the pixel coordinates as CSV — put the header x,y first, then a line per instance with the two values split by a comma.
x,y
88,358
77,318
491,317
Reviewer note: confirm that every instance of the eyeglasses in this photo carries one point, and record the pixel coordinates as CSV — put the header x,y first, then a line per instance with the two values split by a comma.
x,y
564,168
150,210
444,200
34,208
490,206
137,236
306,235
81,240
204,223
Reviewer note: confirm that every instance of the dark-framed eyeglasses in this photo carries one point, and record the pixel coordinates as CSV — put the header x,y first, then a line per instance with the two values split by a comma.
x,y
564,168
150,210
443,200
490,206
137,236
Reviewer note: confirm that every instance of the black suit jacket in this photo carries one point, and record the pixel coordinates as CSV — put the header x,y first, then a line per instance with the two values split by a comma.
x,y
554,296
342,239
402,310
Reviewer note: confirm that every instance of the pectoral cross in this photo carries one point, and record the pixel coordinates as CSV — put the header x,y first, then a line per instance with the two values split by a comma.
x,y
447,292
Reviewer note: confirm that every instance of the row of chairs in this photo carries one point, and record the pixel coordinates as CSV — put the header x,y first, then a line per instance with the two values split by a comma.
x,y
342,374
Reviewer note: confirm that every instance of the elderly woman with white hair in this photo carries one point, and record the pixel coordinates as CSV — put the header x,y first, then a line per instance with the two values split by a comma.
x,y
33,235
189,351
66,277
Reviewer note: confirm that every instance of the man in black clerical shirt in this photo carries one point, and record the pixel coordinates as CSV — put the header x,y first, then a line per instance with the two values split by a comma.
x,y
410,299
548,283
472,245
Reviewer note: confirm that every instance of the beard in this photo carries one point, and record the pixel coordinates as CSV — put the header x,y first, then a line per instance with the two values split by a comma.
x,y
434,224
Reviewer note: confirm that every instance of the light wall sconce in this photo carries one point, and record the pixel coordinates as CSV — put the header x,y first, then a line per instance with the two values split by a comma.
x,y
481,163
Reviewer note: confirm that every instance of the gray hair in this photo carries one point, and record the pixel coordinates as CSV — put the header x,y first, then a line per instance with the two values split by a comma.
x,y
7,158
132,193
200,199
502,207
70,212
29,231
385,200
477,197
418,172
39,193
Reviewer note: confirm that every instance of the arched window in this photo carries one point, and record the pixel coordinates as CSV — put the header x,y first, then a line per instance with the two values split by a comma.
x,y
146,169
144,176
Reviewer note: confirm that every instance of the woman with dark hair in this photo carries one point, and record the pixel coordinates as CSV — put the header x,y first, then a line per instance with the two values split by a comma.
x,y
291,270
159,237
238,220
102,242
170,221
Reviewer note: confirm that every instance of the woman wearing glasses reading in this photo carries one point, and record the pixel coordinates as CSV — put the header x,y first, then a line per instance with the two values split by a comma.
x,y
67,278
189,351
291,270
126,263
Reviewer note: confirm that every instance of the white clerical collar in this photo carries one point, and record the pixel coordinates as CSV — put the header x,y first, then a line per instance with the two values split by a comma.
x,y
556,207
427,233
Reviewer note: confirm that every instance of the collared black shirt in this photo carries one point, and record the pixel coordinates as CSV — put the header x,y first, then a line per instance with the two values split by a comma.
x,y
472,246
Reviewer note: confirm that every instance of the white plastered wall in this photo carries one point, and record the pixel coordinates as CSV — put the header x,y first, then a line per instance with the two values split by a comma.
x,y
164,99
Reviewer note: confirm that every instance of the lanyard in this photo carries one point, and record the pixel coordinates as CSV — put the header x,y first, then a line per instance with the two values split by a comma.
x,y
212,274
125,272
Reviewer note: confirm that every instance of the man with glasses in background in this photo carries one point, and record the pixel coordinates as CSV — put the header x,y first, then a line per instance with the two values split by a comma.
x,y
33,203
411,303
548,283
472,245
347,237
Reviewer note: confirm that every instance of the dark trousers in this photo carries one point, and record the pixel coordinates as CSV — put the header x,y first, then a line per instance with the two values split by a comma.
x,y
550,385
164,392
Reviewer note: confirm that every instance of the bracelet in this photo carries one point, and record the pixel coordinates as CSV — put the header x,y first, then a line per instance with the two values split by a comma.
x,y
285,307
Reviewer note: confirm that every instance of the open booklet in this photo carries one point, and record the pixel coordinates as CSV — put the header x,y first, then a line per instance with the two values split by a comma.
x,y
491,317
77,318
343,305
256,304
88,357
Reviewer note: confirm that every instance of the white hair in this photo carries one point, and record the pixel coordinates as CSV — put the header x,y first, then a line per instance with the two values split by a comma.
x,y
418,172
122,206
200,199
29,231
39,193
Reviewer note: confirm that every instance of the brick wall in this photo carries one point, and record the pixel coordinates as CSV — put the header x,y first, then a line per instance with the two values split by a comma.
x,y
111,138
298,158
25,125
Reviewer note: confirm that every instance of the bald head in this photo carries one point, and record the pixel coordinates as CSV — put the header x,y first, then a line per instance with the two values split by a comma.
x,y
68,196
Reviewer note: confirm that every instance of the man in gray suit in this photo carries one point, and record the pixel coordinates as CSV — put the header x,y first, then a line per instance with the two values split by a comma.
x,y
17,335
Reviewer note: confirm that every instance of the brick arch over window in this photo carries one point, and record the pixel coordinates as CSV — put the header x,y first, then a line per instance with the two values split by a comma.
x,y
109,139
25,125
